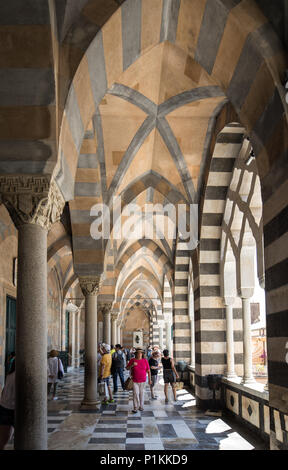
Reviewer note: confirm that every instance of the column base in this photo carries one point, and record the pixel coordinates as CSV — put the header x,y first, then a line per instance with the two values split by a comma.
x,y
231,376
90,405
248,381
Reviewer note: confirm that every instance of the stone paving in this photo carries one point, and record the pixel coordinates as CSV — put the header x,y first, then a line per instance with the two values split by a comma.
x,y
160,426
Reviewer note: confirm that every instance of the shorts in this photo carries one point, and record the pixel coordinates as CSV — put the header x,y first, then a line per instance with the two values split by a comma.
x,y
6,416
169,376
106,380
154,380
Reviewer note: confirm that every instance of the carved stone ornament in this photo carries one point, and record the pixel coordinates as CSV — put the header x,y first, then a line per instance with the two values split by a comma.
x,y
32,200
114,316
105,308
90,285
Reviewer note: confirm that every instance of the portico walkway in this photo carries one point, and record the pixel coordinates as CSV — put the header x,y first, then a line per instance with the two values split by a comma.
x,y
160,426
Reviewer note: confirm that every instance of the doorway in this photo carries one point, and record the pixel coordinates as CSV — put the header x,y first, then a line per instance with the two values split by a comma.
x,y
10,329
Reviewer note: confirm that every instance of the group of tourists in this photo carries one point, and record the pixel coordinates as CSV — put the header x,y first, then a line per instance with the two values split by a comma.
x,y
113,361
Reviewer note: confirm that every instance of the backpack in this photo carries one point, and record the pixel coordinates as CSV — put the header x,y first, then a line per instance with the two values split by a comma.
x,y
118,360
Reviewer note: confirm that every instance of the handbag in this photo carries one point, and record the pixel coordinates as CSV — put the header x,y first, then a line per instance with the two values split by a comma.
x,y
102,389
128,384
179,385
60,373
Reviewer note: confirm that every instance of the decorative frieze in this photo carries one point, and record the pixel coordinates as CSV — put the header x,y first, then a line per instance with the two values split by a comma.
x,y
32,200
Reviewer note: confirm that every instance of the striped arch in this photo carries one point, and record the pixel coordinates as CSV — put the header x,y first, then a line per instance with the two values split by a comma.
x,y
208,303
158,255
244,57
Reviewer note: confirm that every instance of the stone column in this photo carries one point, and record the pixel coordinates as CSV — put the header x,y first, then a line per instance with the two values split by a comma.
x,y
106,312
73,339
161,336
90,288
247,342
114,339
100,332
77,347
34,204
230,374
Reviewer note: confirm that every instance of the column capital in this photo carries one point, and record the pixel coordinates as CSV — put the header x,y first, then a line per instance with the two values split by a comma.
x,y
114,316
32,200
105,307
90,285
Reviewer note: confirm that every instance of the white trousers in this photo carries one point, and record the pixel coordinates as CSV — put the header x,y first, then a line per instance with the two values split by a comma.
x,y
138,395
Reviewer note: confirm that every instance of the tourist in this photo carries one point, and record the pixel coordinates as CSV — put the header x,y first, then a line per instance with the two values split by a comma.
x,y
105,372
54,371
149,352
154,368
132,353
170,374
118,364
140,369
112,350
7,407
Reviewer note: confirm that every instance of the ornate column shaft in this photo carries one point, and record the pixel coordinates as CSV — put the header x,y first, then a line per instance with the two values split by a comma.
x,y
34,204
90,288
106,312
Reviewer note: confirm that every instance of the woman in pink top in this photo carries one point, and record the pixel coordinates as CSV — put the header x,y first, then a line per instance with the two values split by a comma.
x,y
140,369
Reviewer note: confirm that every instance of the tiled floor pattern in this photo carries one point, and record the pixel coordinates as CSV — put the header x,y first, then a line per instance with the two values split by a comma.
x,y
160,426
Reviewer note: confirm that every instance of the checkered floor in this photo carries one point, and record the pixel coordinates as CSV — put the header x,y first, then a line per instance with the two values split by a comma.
x,y
160,426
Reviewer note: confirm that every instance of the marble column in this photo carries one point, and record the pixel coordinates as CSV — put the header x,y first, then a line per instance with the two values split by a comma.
x,y
72,337
230,374
77,338
90,288
247,342
114,339
161,336
106,312
100,332
34,204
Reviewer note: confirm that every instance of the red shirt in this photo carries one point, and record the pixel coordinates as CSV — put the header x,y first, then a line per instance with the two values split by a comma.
x,y
139,371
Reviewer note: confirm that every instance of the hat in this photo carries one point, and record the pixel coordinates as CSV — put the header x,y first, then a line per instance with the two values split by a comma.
x,y
139,349
107,347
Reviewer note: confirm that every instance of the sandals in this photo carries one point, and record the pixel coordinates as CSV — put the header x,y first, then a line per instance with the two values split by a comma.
x,y
141,409
134,411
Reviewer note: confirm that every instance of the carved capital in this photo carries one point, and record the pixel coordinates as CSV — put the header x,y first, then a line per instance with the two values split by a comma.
x,y
114,316
32,200
105,308
90,285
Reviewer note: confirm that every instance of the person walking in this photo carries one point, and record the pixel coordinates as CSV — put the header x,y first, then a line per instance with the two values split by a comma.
x,y
7,407
154,368
105,372
118,364
54,371
140,369
170,374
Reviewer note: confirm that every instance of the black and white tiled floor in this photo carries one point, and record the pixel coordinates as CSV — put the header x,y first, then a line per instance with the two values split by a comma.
x,y
160,426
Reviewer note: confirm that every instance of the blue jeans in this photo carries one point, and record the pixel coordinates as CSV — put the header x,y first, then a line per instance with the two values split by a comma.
x,y
115,374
